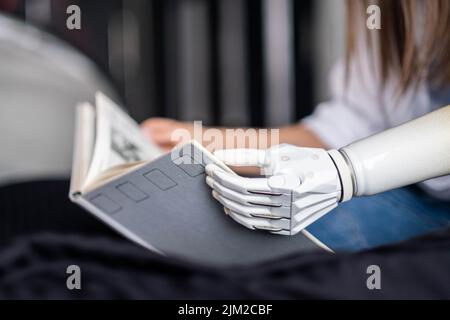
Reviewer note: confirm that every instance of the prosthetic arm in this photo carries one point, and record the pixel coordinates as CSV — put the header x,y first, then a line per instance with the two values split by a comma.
x,y
300,185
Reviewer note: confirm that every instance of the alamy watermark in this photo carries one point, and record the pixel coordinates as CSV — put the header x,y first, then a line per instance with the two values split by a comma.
x,y
73,21
374,280
73,281
373,21
218,139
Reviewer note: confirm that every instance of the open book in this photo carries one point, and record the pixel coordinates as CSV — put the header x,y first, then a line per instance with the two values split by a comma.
x,y
107,143
161,201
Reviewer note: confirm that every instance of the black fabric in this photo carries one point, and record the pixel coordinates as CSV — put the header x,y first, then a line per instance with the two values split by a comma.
x,y
34,264
42,206
35,268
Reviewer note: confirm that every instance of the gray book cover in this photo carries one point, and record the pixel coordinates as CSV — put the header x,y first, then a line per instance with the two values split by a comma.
x,y
166,206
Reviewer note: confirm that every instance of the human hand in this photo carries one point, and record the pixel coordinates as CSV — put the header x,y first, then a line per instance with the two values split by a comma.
x,y
160,131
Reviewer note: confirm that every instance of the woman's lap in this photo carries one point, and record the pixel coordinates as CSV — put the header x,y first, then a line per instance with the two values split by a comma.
x,y
389,217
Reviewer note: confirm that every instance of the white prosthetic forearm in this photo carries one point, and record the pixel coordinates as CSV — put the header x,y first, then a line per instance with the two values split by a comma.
x,y
413,152
300,185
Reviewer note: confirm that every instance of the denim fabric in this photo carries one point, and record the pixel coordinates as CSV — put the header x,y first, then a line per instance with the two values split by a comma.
x,y
390,217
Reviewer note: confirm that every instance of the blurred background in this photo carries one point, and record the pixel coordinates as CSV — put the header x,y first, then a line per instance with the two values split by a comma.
x,y
226,62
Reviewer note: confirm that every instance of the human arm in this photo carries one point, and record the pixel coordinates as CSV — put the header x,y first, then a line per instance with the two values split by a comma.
x,y
161,131
303,184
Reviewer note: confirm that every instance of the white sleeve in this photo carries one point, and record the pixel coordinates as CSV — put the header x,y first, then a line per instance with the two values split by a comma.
x,y
355,110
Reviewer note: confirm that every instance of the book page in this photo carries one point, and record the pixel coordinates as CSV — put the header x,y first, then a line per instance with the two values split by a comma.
x,y
118,140
83,145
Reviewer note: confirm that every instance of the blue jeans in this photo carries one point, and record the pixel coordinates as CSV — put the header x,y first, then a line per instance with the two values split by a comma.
x,y
390,217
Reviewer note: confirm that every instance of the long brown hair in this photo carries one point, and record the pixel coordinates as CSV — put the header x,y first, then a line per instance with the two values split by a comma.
x,y
395,44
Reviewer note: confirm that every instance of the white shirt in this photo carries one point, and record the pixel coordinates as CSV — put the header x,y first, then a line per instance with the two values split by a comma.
x,y
363,107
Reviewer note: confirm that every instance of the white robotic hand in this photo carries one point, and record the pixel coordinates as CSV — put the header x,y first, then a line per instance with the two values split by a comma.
x,y
297,187
300,185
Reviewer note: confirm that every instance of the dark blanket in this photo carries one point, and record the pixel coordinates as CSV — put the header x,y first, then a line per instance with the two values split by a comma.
x,y
34,264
